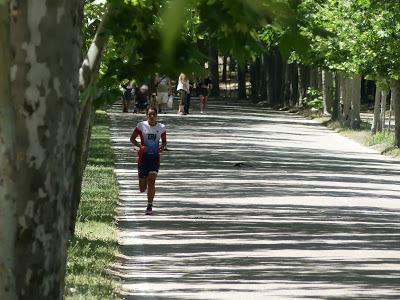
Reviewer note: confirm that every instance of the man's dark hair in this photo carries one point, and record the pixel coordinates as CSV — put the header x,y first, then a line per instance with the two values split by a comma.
x,y
151,108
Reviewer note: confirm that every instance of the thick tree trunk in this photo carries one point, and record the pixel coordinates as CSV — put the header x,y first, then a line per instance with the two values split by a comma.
x,y
383,110
213,64
319,79
263,77
327,91
224,67
44,87
355,102
278,77
8,192
390,113
336,99
395,86
302,73
294,85
346,99
271,87
287,84
314,77
241,73
88,76
376,123
255,79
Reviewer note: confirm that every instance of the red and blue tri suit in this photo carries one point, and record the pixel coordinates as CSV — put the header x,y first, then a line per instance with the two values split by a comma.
x,y
150,136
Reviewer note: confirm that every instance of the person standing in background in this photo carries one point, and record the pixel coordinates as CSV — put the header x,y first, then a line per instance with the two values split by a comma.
x,y
164,90
183,89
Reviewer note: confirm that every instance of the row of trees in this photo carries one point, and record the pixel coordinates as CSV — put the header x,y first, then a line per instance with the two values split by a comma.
x,y
60,59
342,47
57,60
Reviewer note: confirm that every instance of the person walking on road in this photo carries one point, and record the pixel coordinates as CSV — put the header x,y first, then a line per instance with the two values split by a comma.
x,y
150,133
202,92
164,90
183,89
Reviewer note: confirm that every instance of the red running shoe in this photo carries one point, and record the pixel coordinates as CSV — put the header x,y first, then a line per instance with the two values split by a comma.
x,y
149,210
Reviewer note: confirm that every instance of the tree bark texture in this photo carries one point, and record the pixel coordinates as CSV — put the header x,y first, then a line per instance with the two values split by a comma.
x,y
213,64
8,192
346,100
270,78
45,42
304,81
376,123
224,67
87,79
383,109
395,86
286,84
294,85
336,99
327,91
355,102
263,77
278,77
313,77
255,78
241,73
319,79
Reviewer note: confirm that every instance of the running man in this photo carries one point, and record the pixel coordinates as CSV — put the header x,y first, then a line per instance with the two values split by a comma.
x,y
150,133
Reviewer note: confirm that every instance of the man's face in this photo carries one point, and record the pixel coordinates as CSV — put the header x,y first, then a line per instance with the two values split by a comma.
x,y
152,117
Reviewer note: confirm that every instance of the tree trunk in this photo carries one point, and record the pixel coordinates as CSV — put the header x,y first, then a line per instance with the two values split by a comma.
x,y
224,66
303,82
327,91
46,52
278,77
88,76
241,73
286,85
319,79
355,102
294,85
8,192
313,77
213,64
376,123
395,86
255,78
263,77
336,99
390,112
271,87
346,98
383,110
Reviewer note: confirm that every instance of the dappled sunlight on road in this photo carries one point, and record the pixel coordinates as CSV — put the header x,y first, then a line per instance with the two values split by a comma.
x,y
257,204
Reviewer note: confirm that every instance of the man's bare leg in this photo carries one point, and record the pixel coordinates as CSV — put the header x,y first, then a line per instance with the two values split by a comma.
x,y
151,187
142,184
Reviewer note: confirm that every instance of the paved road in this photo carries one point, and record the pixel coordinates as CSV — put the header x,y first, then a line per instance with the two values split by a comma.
x,y
257,204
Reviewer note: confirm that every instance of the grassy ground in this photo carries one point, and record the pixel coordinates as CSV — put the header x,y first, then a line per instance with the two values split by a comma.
x,y
382,141
94,247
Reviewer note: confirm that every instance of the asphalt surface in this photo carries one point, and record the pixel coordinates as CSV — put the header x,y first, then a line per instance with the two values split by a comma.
x,y
257,204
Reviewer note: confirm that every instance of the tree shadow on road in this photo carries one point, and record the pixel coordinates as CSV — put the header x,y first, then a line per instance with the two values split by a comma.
x,y
243,209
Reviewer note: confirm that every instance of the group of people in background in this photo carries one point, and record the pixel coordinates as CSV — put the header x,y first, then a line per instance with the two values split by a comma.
x,y
185,87
162,98
147,134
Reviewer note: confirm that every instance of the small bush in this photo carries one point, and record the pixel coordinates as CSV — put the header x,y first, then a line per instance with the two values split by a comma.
x,y
313,99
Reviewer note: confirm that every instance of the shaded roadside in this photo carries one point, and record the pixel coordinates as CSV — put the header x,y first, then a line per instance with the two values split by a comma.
x,y
259,204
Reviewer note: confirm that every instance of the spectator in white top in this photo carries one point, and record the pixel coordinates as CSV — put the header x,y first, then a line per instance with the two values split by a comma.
x,y
164,90
183,89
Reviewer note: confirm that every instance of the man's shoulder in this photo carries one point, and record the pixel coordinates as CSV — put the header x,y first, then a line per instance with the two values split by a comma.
x,y
142,124
161,126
